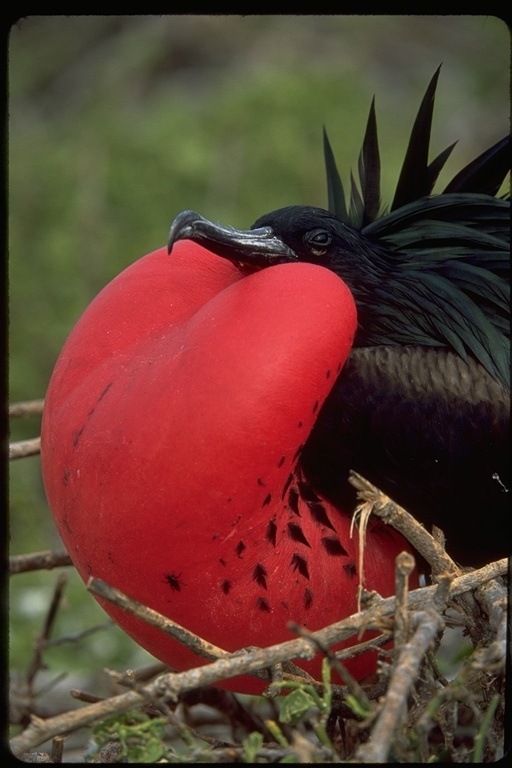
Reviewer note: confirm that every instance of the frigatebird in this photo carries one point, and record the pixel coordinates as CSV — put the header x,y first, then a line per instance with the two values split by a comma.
x,y
422,407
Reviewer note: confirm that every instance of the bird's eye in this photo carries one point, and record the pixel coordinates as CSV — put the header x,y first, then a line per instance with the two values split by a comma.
x,y
318,240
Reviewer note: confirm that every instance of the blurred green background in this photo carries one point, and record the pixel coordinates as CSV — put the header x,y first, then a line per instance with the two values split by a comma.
x,y
117,123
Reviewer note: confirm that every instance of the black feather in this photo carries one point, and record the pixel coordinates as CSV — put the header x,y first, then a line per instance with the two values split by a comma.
x,y
415,178
335,193
369,171
484,175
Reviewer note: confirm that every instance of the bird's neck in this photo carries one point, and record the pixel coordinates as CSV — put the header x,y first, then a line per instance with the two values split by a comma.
x,y
366,267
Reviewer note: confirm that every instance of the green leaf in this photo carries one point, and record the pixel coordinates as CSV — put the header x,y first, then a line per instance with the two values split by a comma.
x,y
296,706
252,745
356,707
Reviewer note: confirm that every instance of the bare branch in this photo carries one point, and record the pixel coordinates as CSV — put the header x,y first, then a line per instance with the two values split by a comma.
x,y
368,645
23,448
57,749
36,663
392,514
37,561
194,642
41,730
377,749
26,408
404,567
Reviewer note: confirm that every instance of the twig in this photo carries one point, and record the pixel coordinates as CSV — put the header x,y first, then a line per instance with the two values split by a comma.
x,y
493,596
172,684
352,684
36,561
26,408
392,514
147,672
36,662
371,618
404,567
89,698
376,750
368,645
57,749
41,730
22,448
76,637
194,642
143,674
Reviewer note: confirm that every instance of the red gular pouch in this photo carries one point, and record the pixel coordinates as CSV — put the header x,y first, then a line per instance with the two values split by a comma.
x,y
171,438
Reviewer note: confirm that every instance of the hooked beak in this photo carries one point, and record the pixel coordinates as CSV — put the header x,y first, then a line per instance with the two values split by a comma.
x,y
256,248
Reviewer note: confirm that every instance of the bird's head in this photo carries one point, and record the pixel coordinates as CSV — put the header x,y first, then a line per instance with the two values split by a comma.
x,y
296,233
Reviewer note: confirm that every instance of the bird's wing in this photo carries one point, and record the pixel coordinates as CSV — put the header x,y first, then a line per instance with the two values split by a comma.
x,y
400,415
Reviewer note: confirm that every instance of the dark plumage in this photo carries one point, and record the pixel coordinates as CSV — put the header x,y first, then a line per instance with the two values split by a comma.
x,y
422,406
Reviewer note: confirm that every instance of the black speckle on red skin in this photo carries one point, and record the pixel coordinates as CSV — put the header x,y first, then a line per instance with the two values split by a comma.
x,y
300,564
267,500
328,374
239,548
308,598
333,546
260,481
263,605
65,477
222,561
319,515
271,532
293,501
65,520
260,575
226,586
315,407
351,569
100,398
295,532
174,581
281,462
78,434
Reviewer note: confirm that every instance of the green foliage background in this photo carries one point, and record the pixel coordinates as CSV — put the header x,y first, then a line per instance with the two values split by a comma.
x,y
117,123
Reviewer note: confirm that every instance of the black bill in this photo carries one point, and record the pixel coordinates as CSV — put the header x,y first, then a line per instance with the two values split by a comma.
x,y
255,248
